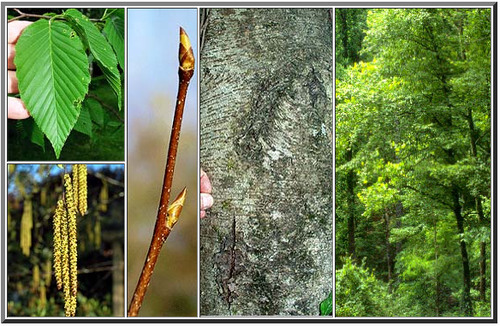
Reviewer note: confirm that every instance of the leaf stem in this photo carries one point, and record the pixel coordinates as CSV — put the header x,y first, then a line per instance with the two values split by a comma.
x,y
162,229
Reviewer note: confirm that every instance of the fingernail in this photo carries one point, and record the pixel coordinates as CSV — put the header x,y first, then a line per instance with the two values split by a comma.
x,y
206,201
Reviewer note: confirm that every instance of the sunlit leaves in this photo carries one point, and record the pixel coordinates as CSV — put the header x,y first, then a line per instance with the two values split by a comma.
x,y
53,77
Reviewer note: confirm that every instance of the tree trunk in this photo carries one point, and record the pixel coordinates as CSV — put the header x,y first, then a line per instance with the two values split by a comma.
x,y
266,143
457,209
479,209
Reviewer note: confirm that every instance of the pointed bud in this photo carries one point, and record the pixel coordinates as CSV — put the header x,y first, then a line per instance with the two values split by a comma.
x,y
186,56
174,210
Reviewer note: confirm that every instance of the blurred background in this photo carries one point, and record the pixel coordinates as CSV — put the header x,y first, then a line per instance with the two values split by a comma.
x,y
153,49
33,191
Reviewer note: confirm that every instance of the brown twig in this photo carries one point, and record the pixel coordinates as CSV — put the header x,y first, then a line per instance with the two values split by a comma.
x,y
167,217
25,15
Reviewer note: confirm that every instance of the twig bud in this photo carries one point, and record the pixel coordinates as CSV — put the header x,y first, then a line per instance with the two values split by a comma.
x,y
186,56
174,210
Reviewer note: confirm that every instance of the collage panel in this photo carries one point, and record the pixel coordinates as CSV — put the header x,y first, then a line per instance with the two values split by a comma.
x,y
169,162
413,162
65,84
153,83
65,235
266,92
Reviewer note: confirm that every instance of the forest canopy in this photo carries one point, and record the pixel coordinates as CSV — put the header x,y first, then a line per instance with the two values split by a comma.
x,y
413,148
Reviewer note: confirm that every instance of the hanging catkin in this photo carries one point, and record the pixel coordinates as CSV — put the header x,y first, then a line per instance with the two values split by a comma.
x,y
59,222
47,272
35,282
103,197
70,287
26,226
76,183
97,232
43,196
82,188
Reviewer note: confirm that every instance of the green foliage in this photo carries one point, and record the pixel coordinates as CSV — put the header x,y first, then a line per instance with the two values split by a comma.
x,y
55,61
358,293
326,306
413,134
53,76
114,29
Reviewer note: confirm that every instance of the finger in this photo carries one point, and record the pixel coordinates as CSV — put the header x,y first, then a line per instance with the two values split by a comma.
x,y
16,109
15,29
12,86
206,201
203,214
205,184
10,56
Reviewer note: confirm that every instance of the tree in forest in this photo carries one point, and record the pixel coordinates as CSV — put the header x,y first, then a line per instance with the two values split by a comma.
x,y
65,244
265,134
419,116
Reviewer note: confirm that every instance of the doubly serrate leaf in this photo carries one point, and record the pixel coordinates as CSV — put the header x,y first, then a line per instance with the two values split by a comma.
x,y
100,49
115,33
53,75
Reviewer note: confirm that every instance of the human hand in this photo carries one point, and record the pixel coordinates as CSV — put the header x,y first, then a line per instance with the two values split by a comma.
x,y
15,107
206,199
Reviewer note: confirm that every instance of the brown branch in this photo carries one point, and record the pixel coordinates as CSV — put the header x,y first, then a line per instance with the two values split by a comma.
x,y
25,15
167,217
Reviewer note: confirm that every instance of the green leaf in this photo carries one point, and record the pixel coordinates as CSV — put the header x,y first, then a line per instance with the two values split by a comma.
x,y
53,77
114,29
100,49
95,109
326,306
84,123
37,136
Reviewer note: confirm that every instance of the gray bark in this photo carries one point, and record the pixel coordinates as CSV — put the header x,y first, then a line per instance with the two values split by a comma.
x,y
266,143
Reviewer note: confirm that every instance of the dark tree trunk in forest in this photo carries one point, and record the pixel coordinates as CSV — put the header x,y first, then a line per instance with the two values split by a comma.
x,y
479,209
457,210
266,143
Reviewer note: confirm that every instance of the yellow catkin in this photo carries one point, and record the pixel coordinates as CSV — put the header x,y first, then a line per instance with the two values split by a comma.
x,y
82,189
72,305
72,233
65,245
43,196
35,282
76,184
97,233
26,226
47,273
90,233
12,169
59,223
103,197
43,296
